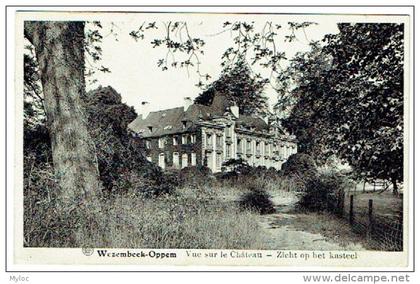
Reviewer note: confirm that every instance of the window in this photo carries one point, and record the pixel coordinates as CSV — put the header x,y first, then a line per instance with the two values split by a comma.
x,y
161,160
193,159
258,146
184,124
175,140
193,138
209,160
219,140
282,152
175,160
184,139
227,132
228,151
184,161
209,140
150,129
148,144
218,160
149,158
248,145
161,143
239,145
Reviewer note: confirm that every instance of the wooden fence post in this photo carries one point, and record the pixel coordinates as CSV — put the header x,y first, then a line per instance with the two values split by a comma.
x,y
351,214
370,220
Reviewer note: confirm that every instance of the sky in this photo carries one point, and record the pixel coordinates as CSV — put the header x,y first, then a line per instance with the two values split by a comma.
x,y
133,64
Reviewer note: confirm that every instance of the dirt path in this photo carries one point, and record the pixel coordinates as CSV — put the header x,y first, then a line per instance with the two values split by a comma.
x,y
287,229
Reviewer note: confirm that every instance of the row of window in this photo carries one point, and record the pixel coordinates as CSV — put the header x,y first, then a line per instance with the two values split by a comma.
x,y
185,139
209,160
177,161
268,149
209,140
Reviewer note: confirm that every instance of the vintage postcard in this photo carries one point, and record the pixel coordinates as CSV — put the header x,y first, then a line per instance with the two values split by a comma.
x,y
274,138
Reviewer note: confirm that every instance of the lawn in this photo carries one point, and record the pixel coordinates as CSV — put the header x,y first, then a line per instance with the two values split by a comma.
x,y
385,204
385,231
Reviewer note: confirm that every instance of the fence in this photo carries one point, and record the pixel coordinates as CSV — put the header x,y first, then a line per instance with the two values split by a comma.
x,y
383,232
374,186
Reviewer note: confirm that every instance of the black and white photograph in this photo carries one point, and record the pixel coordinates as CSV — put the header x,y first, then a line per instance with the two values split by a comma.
x,y
275,139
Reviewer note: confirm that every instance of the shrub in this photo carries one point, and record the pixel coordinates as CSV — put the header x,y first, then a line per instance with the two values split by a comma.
x,y
300,164
291,183
237,173
234,168
257,199
323,193
195,176
149,183
121,163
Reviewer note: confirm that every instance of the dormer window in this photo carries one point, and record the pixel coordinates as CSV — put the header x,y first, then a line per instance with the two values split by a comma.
x,y
184,124
150,128
148,144
161,143
184,139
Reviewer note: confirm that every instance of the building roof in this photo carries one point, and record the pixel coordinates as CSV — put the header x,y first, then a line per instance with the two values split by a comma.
x,y
251,122
176,120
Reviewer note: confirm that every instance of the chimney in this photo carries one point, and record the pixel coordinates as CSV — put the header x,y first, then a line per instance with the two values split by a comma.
x,y
235,110
144,109
187,103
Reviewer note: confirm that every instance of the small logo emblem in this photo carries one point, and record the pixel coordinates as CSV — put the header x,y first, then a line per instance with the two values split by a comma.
x,y
87,251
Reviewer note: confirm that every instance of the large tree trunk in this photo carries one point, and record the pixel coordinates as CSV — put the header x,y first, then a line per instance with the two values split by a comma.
x,y
59,48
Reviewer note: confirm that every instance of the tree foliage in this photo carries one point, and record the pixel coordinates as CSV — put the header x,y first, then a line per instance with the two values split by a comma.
x,y
349,99
241,87
122,165
256,44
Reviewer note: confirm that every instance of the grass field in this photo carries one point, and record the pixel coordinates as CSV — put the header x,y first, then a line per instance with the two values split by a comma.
x,y
384,229
385,204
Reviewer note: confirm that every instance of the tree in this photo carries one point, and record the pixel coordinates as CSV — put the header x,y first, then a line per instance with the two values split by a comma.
x,y
241,87
59,51
308,73
122,165
352,102
58,61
